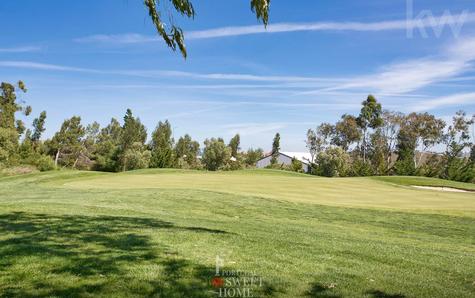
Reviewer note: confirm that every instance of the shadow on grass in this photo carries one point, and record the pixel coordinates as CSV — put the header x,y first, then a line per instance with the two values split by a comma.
x,y
381,294
75,256
319,290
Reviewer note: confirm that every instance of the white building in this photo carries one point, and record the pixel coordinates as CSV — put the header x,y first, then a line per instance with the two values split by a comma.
x,y
285,158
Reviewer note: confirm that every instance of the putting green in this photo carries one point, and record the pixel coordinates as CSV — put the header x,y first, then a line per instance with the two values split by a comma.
x,y
349,192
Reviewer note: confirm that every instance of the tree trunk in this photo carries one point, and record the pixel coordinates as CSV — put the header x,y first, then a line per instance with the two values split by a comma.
x,y
75,162
56,158
364,146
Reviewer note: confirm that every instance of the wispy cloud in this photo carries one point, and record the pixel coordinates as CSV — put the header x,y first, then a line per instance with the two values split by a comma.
x,y
247,129
126,38
411,75
392,81
403,24
450,100
44,66
333,26
169,73
252,128
25,49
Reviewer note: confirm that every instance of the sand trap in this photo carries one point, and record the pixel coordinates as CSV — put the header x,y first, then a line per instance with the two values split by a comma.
x,y
440,188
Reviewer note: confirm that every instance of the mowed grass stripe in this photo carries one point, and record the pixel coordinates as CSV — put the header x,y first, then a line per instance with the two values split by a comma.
x,y
162,242
348,192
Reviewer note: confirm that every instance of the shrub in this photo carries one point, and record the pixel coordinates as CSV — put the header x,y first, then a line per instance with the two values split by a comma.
x,y
296,166
136,158
433,167
45,163
460,169
405,167
360,168
333,162
216,154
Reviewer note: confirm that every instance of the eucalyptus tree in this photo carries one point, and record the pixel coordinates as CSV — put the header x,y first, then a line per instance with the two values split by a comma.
x,y
347,132
369,118
320,139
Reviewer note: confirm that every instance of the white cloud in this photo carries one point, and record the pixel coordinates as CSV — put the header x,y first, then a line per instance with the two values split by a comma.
x,y
436,22
450,100
168,73
411,75
25,49
117,38
247,129
43,66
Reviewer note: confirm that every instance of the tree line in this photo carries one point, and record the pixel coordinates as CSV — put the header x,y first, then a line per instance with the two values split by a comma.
x,y
375,142
120,146
380,142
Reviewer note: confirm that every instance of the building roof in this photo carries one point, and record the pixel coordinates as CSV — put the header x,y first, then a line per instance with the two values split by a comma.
x,y
304,157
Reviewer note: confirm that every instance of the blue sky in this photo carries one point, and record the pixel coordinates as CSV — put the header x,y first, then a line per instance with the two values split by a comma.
x,y
314,62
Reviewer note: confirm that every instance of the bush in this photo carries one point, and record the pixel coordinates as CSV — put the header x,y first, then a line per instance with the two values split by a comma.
x,y
460,169
433,167
333,162
216,155
360,168
405,167
296,166
136,158
45,163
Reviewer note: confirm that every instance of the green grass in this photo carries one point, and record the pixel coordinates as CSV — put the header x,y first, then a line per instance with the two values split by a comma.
x,y
422,181
157,233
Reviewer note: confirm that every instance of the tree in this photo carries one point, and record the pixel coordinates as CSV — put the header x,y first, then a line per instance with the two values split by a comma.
x,y
296,165
428,131
252,156
133,131
333,162
312,144
10,128
187,150
457,139
406,151
234,145
38,127
67,142
370,117
347,132
107,147
162,146
392,122
216,154
136,157
174,37
275,149
379,152
319,139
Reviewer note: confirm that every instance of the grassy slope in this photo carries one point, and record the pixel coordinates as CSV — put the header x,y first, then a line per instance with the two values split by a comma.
x,y
422,181
144,242
348,192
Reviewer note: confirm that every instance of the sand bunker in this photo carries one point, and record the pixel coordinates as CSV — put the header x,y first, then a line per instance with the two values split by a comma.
x,y
440,188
